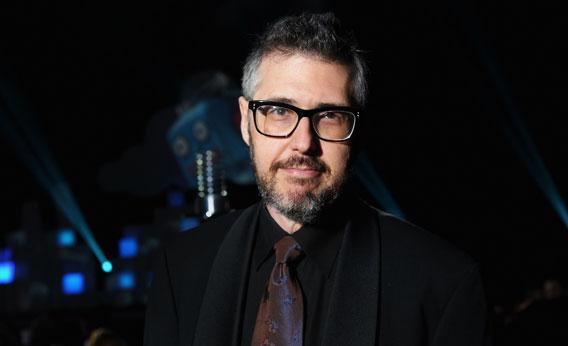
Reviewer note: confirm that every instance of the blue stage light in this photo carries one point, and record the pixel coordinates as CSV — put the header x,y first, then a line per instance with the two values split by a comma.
x,y
107,266
126,280
128,247
65,237
516,130
35,154
7,271
188,223
73,283
176,199
366,173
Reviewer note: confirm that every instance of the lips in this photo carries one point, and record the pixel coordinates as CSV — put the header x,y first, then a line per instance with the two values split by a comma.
x,y
302,172
301,166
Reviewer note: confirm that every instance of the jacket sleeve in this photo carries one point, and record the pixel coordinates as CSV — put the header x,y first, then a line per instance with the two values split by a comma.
x,y
161,323
464,320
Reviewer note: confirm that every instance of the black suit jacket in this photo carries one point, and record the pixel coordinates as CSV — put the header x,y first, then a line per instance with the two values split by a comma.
x,y
396,285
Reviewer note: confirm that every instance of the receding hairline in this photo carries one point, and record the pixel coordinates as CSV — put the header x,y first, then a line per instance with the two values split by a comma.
x,y
282,54
286,52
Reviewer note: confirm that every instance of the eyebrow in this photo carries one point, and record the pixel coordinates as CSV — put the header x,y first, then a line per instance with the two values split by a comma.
x,y
293,102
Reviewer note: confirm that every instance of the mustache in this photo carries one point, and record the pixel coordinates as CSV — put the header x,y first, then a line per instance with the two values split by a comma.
x,y
301,161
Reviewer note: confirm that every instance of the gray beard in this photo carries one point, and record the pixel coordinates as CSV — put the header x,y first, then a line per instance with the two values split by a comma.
x,y
304,207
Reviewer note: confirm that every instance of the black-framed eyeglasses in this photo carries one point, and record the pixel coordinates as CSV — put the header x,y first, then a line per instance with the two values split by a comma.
x,y
280,120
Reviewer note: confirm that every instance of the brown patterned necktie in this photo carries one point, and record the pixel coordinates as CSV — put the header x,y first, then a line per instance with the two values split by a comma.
x,y
280,318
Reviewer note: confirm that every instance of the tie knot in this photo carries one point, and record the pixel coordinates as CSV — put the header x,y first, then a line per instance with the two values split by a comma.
x,y
287,250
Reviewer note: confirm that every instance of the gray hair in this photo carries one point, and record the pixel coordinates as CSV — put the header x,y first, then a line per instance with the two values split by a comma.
x,y
320,35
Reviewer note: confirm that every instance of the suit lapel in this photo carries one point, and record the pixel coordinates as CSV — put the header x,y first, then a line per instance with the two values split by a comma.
x,y
354,303
220,317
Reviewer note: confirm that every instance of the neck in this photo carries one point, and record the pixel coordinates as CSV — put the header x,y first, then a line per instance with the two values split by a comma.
x,y
289,226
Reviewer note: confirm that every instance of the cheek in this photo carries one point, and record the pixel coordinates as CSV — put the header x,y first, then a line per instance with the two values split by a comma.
x,y
264,154
336,157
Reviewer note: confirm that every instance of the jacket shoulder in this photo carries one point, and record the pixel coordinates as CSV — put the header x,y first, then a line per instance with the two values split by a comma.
x,y
431,291
412,244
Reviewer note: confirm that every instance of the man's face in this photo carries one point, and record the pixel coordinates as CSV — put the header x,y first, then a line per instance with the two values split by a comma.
x,y
300,174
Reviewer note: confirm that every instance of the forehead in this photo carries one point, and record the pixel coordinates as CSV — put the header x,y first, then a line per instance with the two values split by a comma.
x,y
306,79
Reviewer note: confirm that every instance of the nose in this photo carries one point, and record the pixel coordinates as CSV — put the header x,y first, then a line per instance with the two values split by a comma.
x,y
304,140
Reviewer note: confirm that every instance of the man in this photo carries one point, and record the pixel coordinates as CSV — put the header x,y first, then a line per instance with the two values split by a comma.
x,y
349,274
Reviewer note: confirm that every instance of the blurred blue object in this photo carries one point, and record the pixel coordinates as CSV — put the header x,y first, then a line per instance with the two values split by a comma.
x,y
126,280
176,198
188,223
5,254
65,237
7,271
73,283
128,247
211,124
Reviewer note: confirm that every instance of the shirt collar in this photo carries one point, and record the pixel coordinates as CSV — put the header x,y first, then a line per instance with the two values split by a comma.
x,y
320,242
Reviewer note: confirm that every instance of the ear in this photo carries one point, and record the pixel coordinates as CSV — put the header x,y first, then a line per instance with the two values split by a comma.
x,y
243,106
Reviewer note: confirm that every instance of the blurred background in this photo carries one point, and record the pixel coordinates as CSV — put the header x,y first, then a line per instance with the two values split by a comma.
x,y
119,129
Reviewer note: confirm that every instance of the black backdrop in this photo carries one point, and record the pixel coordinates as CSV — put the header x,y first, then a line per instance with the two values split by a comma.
x,y
96,74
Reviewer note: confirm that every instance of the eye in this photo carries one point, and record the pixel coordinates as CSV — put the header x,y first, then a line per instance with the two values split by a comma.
x,y
335,117
330,115
275,111
280,111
